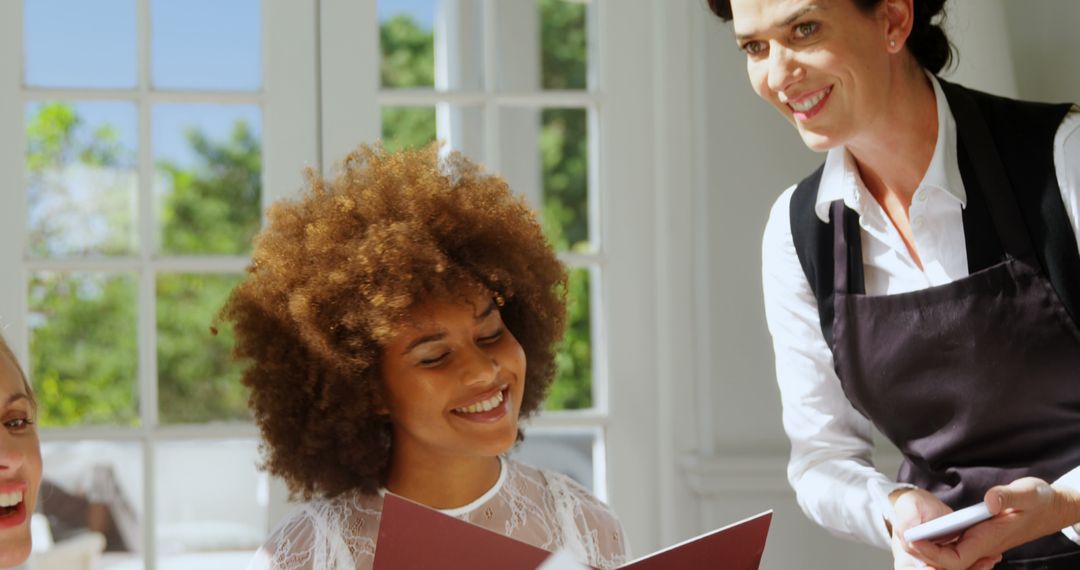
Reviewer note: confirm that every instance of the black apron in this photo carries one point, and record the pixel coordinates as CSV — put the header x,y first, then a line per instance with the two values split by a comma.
x,y
976,381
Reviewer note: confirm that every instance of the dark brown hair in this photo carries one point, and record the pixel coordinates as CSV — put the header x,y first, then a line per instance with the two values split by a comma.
x,y
927,42
335,273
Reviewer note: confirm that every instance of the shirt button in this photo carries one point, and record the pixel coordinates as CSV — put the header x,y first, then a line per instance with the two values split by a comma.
x,y
917,222
921,196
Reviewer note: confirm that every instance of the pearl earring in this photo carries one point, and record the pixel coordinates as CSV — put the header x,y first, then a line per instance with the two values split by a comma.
x,y
892,43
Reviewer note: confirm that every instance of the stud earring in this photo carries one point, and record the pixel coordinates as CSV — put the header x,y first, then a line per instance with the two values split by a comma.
x,y
892,43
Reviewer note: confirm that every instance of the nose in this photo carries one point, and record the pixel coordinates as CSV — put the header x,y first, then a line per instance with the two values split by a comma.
x,y
784,68
11,455
480,367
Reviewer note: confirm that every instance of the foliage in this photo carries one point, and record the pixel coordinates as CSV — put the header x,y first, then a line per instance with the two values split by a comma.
x,y
84,337
60,146
407,127
197,379
408,53
84,351
213,207
564,156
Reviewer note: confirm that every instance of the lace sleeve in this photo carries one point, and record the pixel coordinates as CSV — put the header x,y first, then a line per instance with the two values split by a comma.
x,y
590,529
321,535
290,546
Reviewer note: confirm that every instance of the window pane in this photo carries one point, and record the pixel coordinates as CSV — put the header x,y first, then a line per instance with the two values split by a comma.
x,y
95,486
198,381
209,177
431,43
82,191
568,451
75,43
206,44
407,127
572,388
459,127
83,355
209,517
564,144
544,155
564,44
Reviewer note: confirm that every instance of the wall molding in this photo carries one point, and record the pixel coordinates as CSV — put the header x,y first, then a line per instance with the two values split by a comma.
x,y
716,475
740,473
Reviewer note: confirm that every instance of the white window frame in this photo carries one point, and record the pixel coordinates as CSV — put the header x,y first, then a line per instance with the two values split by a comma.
x,y
289,104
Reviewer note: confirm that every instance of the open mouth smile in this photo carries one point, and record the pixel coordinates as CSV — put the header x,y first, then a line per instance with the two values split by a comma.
x,y
491,408
806,107
12,509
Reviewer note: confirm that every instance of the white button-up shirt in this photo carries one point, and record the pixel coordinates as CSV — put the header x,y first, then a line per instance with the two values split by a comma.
x,y
831,469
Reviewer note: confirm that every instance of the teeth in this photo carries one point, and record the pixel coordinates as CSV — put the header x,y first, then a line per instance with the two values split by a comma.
x,y
807,104
485,406
10,499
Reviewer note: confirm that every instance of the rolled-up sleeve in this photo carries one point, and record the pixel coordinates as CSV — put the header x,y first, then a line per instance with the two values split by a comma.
x,y
831,442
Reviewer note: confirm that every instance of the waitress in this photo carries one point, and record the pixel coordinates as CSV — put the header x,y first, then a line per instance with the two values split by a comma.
x,y
925,280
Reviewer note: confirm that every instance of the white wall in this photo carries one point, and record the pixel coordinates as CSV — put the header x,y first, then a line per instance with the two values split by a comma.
x,y
1046,48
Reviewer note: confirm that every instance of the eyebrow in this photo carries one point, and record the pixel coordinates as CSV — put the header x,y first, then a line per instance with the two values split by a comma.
x,y
483,314
16,397
422,340
440,335
785,22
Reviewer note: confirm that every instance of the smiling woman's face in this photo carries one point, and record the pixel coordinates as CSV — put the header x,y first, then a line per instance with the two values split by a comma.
x,y
824,64
454,378
20,465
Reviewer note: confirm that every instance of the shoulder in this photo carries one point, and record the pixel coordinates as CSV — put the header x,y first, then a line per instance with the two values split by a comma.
x,y
589,528
567,492
1067,166
345,525
778,228
562,490
348,505
778,256
1067,139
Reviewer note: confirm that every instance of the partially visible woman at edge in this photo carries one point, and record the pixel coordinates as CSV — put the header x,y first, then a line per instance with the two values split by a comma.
x,y
925,279
399,321
20,460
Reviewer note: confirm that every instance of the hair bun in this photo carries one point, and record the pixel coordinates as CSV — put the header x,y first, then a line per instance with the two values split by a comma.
x,y
928,42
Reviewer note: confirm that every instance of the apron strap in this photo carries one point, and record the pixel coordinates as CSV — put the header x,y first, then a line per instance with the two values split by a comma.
x,y
847,250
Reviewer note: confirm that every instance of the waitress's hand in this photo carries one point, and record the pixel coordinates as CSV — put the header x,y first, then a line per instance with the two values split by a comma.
x,y
1024,510
913,507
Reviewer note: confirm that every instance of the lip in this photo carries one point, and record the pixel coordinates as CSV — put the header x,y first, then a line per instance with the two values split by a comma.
x,y
14,519
810,113
493,415
14,487
483,396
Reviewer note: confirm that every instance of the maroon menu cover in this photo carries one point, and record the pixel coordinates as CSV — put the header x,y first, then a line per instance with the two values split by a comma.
x,y
415,537
738,546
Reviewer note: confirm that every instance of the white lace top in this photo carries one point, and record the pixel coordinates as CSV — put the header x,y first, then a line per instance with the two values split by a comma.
x,y
543,508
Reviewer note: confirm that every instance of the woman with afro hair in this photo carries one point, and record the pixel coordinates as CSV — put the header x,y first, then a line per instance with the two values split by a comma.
x,y
399,321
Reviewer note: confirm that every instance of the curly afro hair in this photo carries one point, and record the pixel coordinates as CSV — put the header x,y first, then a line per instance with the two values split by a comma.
x,y
334,273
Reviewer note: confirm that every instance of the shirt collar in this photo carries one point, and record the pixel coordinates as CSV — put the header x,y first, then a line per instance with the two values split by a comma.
x,y
840,178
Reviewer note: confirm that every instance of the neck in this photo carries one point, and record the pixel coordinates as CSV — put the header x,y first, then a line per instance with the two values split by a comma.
x,y
441,481
894,154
